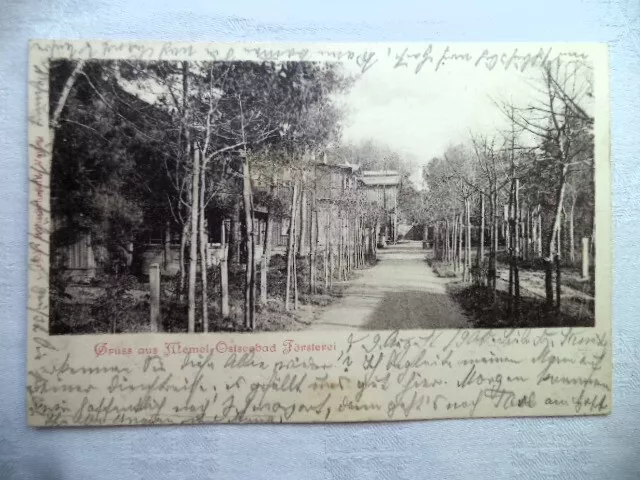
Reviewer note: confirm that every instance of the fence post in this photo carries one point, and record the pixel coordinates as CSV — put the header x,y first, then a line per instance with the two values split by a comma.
x,y
154,287
585,258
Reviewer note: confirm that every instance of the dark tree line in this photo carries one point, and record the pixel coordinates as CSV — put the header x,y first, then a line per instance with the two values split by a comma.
x,y
142,147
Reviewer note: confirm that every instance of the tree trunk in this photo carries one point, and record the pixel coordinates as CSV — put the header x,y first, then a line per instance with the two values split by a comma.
x,y
311,265
339,247
559,242
331,252
468,239
249,314
235,235
266,257
347,247
203,240
449,241
374,240
516,272
539,232
186,229
491,270
54,120
193,246
572,247
534,234
354,241
325,256
558,210
254,260
436,240
224,272
505,227
482,228
183,271
585,258
446,241
300,240
461,260
558,281
551,240
511,234
154,298
454,242
167,247
295,273
548,281
526,235
290,246
353,232
315,241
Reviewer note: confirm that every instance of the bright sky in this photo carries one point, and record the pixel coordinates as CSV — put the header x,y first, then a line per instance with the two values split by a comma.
x,y
421,115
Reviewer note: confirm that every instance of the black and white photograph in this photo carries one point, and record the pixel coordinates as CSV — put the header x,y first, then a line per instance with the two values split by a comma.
x,y
280,195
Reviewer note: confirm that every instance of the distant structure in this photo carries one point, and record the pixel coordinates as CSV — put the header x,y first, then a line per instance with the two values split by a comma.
x,y
381,188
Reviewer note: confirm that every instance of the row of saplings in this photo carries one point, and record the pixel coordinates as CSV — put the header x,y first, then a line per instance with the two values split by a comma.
x,y
241,298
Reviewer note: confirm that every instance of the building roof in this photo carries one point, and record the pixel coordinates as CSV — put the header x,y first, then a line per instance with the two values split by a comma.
x,y
351,168
379,173
372,178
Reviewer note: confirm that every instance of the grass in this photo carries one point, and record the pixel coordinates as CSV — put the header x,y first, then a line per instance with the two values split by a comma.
x,y
118,305
477,302
587,287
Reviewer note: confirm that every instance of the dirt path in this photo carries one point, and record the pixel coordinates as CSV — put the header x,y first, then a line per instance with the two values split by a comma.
x,y
400,292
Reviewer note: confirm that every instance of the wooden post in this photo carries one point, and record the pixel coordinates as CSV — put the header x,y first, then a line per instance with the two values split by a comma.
x,y
585,258
154,287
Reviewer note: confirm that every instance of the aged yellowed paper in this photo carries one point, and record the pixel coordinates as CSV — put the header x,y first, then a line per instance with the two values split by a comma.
x,y
249,233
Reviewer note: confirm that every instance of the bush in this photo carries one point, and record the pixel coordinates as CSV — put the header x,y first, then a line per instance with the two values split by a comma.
x,y
441,269
117,307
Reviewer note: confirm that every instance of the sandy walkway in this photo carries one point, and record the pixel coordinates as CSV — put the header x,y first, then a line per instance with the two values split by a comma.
x,y
400,292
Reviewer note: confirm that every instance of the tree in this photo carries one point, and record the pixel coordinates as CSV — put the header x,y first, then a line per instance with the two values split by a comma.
x,y
102,164
559,118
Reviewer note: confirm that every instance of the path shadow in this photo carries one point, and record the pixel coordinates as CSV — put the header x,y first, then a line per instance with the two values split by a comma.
x,y
416,309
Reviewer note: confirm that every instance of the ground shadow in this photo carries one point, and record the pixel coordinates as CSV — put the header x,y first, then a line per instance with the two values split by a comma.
x,y
416,309
478,303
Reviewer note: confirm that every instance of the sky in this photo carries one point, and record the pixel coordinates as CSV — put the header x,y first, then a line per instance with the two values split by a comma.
x,y
419,116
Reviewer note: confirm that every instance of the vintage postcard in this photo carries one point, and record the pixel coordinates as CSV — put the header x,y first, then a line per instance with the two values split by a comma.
x,y
245,233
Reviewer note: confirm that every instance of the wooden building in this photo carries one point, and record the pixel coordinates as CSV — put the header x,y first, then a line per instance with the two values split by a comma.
x,y
327,194
381,187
